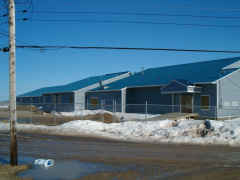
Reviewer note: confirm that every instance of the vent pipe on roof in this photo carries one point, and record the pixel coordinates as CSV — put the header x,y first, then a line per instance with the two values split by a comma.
x,y
100,82
142,70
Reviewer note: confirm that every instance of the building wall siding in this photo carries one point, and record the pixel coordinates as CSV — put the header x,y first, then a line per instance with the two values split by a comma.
x,y
229,95
206,90
153,96
80,94
106,97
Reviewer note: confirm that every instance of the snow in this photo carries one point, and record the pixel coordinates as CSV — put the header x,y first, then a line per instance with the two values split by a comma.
x,y
4,107
122,116
182,131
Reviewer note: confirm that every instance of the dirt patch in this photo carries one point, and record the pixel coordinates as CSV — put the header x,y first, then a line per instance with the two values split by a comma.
x,y
27,108
49,119
10,172
4,121
170,170
130,175
105,117
39,112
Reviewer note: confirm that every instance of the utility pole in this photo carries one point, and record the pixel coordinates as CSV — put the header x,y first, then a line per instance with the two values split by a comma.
x,y
12,85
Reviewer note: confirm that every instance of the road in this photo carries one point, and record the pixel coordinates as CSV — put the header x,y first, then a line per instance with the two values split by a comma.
x,y
165,160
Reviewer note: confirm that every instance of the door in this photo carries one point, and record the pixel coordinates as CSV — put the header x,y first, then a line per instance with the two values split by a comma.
x,y
186,104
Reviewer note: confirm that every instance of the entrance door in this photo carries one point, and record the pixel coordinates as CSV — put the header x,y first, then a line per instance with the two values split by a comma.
x,y
186,104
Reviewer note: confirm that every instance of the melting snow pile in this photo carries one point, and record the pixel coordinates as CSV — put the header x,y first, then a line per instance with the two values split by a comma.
x,y
122,116
181,132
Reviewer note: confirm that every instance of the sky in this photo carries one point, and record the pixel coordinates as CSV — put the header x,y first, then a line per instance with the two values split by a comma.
x,y
112,23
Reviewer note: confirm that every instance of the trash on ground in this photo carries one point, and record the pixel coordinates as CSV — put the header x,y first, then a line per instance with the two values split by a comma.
x,y
44,162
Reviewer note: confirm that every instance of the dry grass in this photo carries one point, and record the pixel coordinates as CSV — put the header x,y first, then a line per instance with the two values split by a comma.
x,y
9,172
26,108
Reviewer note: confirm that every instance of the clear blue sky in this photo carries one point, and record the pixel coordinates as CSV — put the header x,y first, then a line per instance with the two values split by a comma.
x,y
57,67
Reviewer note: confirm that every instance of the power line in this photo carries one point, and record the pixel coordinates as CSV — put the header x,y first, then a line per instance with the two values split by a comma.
x,y
6,4
4,23
129,22
42,48
6,35
122,5
140,14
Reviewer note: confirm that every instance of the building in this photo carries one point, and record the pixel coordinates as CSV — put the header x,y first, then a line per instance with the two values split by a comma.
x,y
209,88
68,97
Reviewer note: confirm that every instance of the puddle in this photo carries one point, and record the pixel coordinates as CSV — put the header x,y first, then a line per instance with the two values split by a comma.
x,y
62,169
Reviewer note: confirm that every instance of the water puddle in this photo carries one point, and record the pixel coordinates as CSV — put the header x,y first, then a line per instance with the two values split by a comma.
x,y
62,169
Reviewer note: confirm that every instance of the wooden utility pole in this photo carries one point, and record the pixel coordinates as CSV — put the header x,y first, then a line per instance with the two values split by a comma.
x,y
12,85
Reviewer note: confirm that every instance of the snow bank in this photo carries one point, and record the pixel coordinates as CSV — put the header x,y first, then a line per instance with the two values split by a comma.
x,y
203,132
4,107
122,116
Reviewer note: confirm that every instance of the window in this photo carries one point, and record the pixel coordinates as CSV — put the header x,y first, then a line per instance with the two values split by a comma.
x,y
59,99
94,102
71,98
54,98
235,103
226,103
205,102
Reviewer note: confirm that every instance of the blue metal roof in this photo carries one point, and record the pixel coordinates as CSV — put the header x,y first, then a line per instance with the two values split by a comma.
x,y
199,72
72,86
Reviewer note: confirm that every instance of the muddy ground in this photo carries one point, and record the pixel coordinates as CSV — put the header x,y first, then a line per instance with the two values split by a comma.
x,y
140,161
40,118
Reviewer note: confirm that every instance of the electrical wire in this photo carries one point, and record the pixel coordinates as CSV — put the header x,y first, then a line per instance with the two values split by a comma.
x,y
123,48
4,23
139,14
6,4
6,35
121,5
129,22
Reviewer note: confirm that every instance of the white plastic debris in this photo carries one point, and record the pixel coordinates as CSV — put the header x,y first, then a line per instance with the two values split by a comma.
x,y
45,162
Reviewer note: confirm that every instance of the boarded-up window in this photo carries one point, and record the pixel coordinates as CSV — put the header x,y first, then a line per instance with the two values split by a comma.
x,y
59,99
54,98
205,102
71,98
94,102
44,99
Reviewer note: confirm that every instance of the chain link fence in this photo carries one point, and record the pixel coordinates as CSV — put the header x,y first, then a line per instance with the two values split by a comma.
x,y
56,114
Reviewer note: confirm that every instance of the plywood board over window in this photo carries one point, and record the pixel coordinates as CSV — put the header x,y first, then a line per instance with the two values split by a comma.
x,y
94,102
59,99
54,98
71,98
205,102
